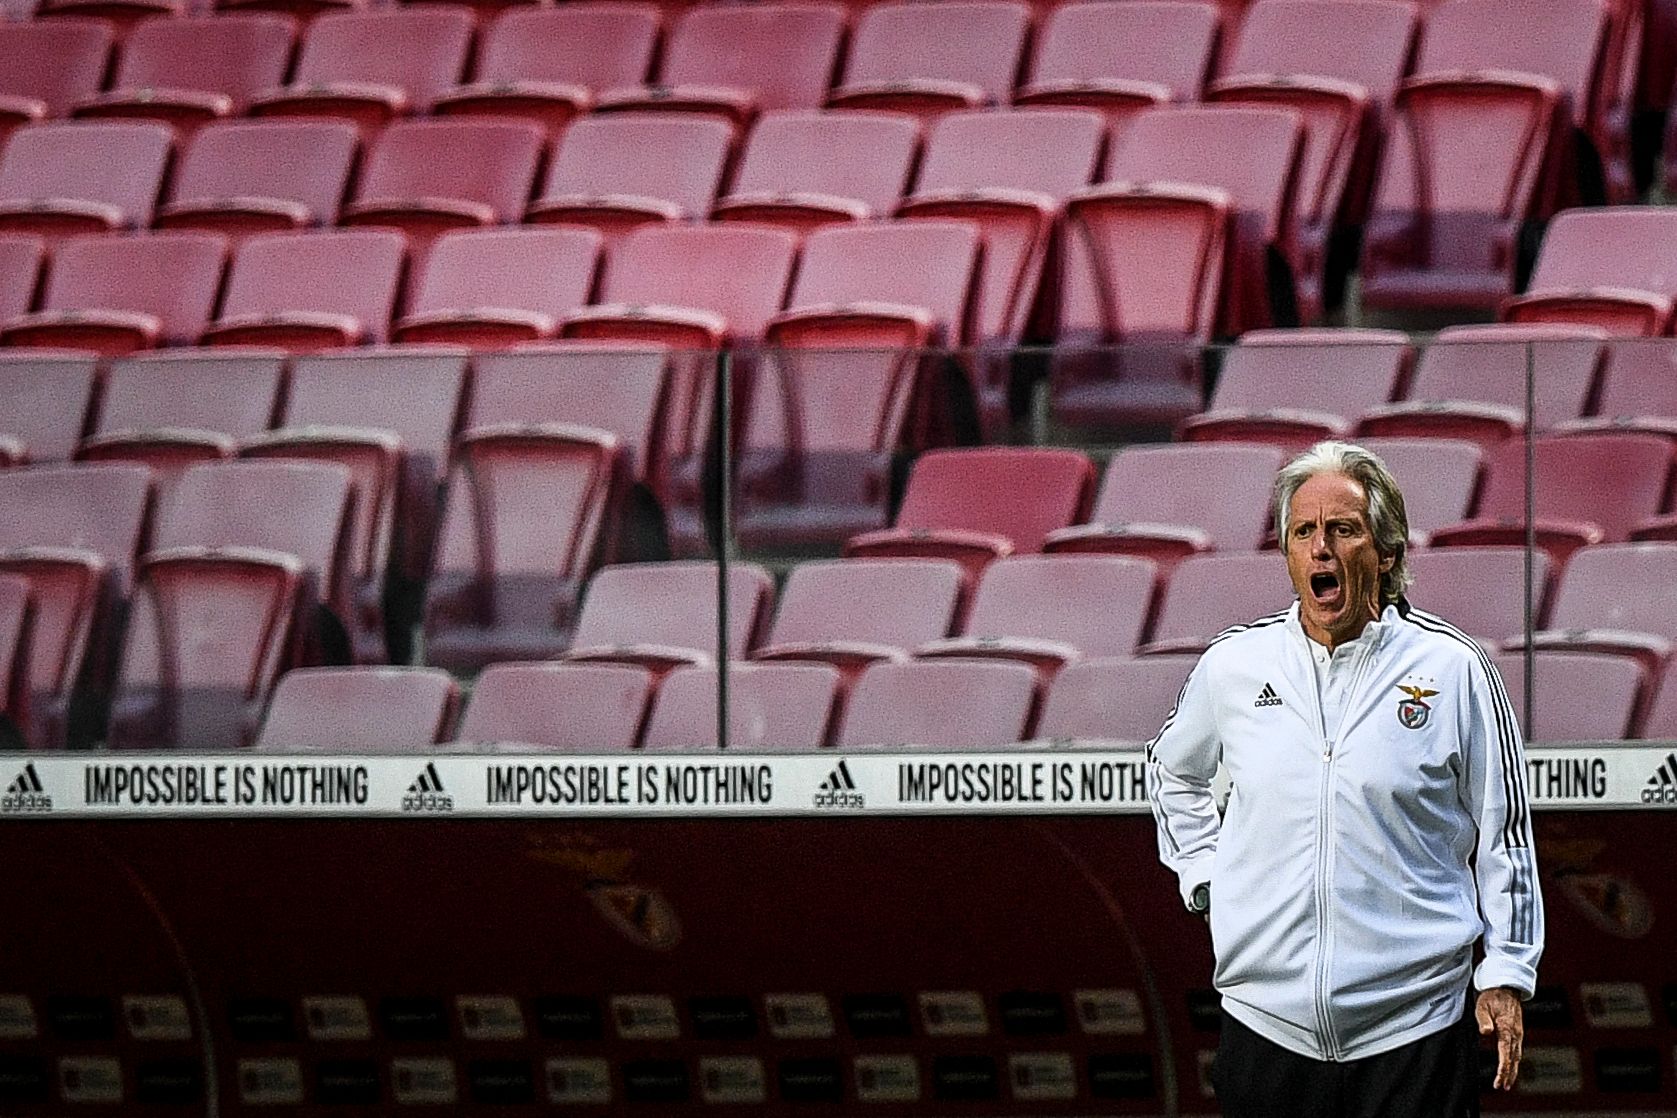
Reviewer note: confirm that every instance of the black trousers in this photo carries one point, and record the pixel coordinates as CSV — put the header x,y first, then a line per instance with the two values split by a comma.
x,y
1434,1077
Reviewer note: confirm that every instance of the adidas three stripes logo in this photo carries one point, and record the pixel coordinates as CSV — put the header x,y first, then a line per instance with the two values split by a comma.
x,y
1267,697
27,781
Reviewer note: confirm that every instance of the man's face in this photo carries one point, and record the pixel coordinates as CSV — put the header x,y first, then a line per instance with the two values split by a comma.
x,y
1331,558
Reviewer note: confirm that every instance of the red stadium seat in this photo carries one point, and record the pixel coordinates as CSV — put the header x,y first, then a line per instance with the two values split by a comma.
x,y
929,59
188,72
63,178
803,170
74,534
116,294
21,258
1168,502
1439,479
981,504
547,64
527,510
360,709
616,173
1481,590
1209,593
1576,696
122,15
1113,700
1605,267
663,615
1122,56
17,619
1292,388
272,176
735,60
348,70
570,708
495,288
1662,718
771,708
1615,599
1638,389
311,291
47,394
48,65
850,613
940,704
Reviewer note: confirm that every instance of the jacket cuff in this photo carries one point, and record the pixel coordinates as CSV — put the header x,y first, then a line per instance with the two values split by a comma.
x,y
1494,972
1191,877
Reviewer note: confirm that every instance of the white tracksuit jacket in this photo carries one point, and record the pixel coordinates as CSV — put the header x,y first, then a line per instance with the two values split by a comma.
x,y
1368,842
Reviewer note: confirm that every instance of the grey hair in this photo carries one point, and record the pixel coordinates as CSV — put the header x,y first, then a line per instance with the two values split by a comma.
x,y
1387,518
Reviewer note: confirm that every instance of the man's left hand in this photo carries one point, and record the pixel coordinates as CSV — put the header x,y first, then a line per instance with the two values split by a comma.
x,y
1498,1011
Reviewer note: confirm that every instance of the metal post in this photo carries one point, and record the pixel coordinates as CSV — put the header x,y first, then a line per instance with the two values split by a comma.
x,y
1530,661
724,413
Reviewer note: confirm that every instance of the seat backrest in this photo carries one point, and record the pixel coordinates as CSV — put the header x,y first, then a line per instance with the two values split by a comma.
x,y
414,392
173,276
596,46
1618,246
355,46
470,159
1575,696
784,52
551,270
897,603
939,704
865,156
230,391
1640,378
575,708
1110,699
305,161
1619,586
55,61
1662,719
1488,364
1209,593
1439,477
672,157
1614,479
115,163
771,707
1169,42
1480,590
979,42
1022,493
1368,43
102,508
672,604
1341,372
928,264
1221,488
20,273
1562,40
236,53
1051,151
738,272
297,508
348,271
349,709
1098,604
47,394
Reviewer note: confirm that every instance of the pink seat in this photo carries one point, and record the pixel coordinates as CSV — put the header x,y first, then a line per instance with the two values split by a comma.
x,y
47,394
1471,382
618,172
21,257
832,400
771,708
1168,502
1111,700
262,176
1638,389
1604,267
547,64
1480,590
1338,66
1662,718
116,294
74,534
803,169
1292,388
494,288
1576,696
58,179
1050,611
569,708
187,72
360,709
48,65
981,504
940,704
734,60
1121,56
347,70
17,618
1209,593
529,510
663,615
928,59
1615,599
311,291
851,613
1439,479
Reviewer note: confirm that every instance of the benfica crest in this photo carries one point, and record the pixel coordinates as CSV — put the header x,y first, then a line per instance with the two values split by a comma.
x,y
1413,712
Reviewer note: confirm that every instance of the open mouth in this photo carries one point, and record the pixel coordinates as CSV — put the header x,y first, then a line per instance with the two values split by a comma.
x,y
1324,586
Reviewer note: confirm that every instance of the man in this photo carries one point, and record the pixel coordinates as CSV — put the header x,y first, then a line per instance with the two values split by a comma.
x,y
1376,830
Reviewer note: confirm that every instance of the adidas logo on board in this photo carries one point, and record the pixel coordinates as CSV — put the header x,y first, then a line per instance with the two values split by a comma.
x,y
1662,786
427,793
839,789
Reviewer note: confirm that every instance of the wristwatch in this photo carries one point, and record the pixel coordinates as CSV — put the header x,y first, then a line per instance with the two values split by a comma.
x,y
1199,901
